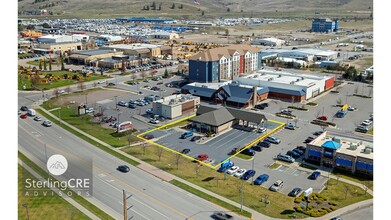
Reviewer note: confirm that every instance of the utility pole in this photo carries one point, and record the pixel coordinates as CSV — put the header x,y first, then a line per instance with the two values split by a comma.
x,y
125,206
27,210
252,178
46,157
241,196
86,97
115,102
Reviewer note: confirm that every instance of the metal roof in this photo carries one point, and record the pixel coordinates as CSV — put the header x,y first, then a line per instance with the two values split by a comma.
x,y
300,92
214,118
93,52
331,145
199,91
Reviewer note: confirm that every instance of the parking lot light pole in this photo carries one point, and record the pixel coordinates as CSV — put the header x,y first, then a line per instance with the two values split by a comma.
x,y
86,97
115,102
252,178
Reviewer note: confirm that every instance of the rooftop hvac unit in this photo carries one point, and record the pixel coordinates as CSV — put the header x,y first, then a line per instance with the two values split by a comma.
x,y
297,80
279,76
336,139
369,148
172,101
204,86
353,146
293,82
270,79
302,78
367,151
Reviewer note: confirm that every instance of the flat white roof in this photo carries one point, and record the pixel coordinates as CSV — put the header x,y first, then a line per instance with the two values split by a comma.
x,y
133,46
285,78
272,39
176,99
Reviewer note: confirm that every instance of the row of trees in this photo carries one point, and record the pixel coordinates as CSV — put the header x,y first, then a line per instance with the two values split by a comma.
x,y
158,8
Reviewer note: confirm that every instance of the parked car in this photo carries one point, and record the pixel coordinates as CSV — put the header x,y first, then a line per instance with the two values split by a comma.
x,y
240,173
286,111
257,148
186,134
277,186
261,179
37,118
290,126
123,168
248,174
148,136
293,154
336,218
122,103
314,175
362,128
261,130
202,157
295,192
185,151
366,123
302,148
233,170
317,133
221,216
154,121
149,111
285,158
273,140
350,108
195,138
24,116
300,152
111,84
323,118
47,123
133,106
264,144
89,110
248,152
309,139
24,108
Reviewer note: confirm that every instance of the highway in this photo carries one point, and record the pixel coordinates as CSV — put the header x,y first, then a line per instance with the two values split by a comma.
x,y
150,197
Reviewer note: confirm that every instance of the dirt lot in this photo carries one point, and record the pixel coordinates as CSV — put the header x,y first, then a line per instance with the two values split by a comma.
x,y
92,97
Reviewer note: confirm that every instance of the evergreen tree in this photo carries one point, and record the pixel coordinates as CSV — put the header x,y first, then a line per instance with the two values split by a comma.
x,y
62,65
44,65
173,6
203,13
228,9
40,65
166,73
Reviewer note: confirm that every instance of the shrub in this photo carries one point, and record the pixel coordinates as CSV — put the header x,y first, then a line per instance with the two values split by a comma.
x,y
298,209
333,203
298,108
333,208
312,104
298,200
328,210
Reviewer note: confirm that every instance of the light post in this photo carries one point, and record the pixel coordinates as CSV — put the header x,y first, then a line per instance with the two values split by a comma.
x,y
27,210
86,97
115,102
252,178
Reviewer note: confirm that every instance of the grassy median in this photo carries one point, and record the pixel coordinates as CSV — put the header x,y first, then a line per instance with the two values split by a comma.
x,y
82,201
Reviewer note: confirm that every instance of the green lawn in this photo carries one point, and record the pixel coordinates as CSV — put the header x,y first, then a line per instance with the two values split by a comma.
x,y
43,207
179,124
355,178
36,63
335,192
55,84
370,131
85,124
274,166
244,156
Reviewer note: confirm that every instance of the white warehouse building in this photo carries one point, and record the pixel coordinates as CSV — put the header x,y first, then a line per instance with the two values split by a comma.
x,y
273,42
306,54
283,85
50,39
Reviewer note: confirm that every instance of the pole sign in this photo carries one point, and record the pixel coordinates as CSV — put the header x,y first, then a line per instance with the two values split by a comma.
x,y
308,192
124,126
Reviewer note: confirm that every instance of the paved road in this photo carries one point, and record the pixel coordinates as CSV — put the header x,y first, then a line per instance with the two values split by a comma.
x,y
151,197
360,214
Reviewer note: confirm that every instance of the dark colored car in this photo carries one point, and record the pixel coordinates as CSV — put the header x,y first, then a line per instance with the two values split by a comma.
x,y
195,138
111,84
298,151
261,179
148,136
221,216
185,151
123,168
248,174
98,115
295,192
309,139
314,175
302,148
24,108
259,107
264,144
318,133
257,148
248,152
293,154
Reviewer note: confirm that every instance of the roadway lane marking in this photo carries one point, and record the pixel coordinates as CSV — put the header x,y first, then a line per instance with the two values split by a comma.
x,y
119,180
133,210
150,207
109,185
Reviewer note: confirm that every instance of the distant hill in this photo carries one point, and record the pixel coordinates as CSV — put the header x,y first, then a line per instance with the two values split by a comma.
x,y
172,8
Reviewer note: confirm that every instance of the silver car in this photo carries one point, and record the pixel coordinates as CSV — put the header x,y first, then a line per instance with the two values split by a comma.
x,y
276,186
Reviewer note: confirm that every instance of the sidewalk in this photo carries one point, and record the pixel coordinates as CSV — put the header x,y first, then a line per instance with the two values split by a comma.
x,y
168,177
64,195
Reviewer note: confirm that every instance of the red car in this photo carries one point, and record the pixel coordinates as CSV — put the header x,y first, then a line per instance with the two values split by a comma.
x,y
23,116
323,118
202,157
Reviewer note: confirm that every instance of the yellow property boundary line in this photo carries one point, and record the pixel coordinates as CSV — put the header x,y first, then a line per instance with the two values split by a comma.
x,y
140,136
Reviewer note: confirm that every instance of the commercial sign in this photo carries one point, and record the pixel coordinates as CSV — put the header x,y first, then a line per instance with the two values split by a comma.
x,y
124,126
307,192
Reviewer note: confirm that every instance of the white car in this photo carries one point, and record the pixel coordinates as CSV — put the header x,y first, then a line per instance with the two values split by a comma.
x,y
37,118
149,111
101,82
89,110
154,121
240,173
276,186
261,130
366,123
233,170
47,123
61,91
